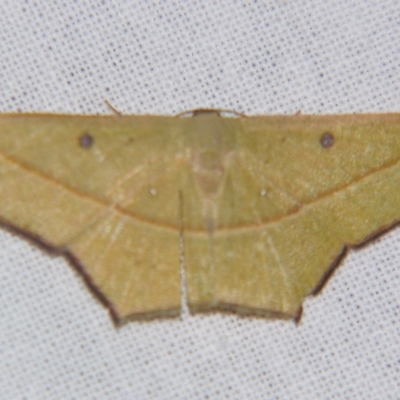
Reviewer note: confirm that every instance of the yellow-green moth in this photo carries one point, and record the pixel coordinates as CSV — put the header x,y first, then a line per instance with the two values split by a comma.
x,y
249,213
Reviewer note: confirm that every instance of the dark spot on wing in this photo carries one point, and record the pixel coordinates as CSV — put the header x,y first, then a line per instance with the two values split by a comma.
x,y
85,141
327,140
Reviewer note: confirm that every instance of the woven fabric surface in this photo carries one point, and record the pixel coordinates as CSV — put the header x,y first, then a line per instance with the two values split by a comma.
x,y
258,57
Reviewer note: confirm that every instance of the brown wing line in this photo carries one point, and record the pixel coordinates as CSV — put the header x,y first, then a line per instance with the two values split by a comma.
x,y
260,225
263,224
76,192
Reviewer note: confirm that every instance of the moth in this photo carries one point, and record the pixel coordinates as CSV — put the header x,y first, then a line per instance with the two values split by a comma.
x,y
248,214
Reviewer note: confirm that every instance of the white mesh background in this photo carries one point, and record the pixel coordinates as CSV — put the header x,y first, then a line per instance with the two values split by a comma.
x,y
56,339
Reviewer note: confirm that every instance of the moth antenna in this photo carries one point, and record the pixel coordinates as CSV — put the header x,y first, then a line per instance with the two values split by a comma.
x,y
112,108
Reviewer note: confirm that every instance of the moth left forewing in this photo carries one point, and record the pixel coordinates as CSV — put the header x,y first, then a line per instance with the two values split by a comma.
x,y
329,179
